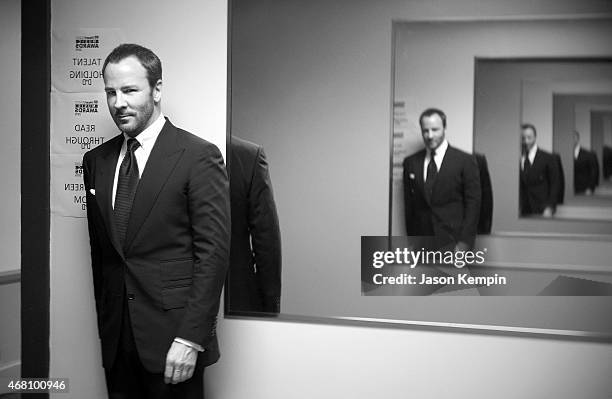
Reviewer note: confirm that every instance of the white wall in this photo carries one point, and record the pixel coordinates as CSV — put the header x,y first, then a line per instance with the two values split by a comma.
x,y
10,131
190,39
265,360
10,166
10,332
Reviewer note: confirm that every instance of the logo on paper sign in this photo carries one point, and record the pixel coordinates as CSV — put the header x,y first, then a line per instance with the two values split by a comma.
x,y
85,107
85,42
78,169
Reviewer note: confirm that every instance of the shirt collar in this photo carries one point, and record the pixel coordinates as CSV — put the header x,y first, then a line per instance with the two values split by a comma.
x,y
440,151
147,137
532,152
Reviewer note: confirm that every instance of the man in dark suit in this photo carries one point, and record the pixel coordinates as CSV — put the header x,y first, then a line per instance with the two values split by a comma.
x,y
158,216
255,256
586,169
606,159
441,188
538,178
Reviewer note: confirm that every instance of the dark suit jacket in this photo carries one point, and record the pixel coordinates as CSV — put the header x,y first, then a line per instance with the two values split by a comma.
x,y
176,250
255,257
561,189
452,213
486,201
539,187
606,159
586,171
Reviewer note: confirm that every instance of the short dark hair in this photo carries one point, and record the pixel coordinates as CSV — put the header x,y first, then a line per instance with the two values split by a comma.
x,y
433,111
529,126
146,57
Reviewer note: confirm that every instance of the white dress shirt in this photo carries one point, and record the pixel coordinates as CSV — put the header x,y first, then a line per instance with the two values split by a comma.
x,y
146,139
531,155
438,158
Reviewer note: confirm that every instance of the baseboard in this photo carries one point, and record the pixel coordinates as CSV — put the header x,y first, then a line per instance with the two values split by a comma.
x,y
9,369
10,276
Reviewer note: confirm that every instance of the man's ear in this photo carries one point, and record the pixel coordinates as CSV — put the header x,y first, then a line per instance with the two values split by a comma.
x,y
157,91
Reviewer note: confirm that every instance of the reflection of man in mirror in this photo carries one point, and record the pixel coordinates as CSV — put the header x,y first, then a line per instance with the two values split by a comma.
x,y
539,177
441,188
255,255
586,168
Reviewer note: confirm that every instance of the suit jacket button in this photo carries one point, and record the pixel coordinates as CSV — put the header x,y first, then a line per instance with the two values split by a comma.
x,y
131,297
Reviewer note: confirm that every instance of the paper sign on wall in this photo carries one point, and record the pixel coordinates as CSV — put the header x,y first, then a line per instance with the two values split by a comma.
x,y
79,115
78,57
79,122
67,187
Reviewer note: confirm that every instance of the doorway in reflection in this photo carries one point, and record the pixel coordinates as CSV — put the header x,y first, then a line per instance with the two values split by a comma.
x,y
582,134
568,101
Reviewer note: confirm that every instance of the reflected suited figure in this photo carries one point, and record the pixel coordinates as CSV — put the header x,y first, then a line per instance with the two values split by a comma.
x,y
561,173
441,188
607,161
539,176
486,203
255,255
586,168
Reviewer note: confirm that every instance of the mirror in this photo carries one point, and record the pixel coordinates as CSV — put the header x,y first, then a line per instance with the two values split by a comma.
x,y
561,99
335,133
587,119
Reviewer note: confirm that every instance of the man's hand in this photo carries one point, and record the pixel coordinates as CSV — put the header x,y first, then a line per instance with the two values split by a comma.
x,y
180,363
548,212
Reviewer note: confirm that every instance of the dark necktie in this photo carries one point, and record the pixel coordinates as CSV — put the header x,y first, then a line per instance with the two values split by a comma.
x,y
432,172
526,165
126,188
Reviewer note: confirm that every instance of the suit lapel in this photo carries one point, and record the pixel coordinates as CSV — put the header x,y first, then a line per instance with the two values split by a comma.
x,y
446,166
162,160
445,169
419,170
526,174
105,175
537,161
522,176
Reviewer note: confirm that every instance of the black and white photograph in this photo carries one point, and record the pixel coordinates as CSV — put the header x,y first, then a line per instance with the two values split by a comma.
x,y
230,199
